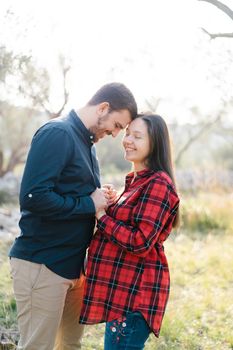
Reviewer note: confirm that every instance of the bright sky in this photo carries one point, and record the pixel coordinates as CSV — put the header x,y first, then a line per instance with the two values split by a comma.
x,y
155,47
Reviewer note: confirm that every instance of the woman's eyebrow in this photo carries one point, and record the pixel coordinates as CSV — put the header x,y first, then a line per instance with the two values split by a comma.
x,y
137,132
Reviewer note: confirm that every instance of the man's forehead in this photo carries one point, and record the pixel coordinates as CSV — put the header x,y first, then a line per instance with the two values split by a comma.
x,y
123,117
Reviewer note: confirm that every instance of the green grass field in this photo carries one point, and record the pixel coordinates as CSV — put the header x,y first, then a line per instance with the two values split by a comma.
x,y
199,315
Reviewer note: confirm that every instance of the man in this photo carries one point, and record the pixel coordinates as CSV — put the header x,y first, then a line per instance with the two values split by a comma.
x,y
59,197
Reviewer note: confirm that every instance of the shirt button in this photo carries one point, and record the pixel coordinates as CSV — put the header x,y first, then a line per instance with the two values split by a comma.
x,y
113,329
30,195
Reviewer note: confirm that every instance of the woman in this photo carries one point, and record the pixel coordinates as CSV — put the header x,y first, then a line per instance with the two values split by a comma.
x,y
127,282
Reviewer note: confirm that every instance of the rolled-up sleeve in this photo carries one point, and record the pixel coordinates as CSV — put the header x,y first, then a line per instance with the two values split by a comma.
x,y
150,215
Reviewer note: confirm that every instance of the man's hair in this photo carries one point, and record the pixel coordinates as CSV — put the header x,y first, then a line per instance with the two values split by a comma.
x,y
118,96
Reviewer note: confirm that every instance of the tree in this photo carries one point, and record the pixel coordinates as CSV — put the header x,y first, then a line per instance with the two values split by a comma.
x,y
18,124
35,85
221,6
12,147
6,63
23,81
206,124
194,134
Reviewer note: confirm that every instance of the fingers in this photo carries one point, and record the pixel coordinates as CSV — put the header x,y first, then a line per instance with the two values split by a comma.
x,y
111,197
99,199
110,193
108,186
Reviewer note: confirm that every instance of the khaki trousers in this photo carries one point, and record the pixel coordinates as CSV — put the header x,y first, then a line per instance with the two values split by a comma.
x,y
48,307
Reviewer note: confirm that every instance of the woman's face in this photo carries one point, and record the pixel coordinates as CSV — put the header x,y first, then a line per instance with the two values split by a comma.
x,y
136,143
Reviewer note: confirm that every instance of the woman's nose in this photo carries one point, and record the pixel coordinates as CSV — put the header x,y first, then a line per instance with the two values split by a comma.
x,y
128,139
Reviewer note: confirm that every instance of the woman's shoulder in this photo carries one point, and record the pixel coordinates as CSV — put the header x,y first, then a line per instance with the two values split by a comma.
x,y
161,177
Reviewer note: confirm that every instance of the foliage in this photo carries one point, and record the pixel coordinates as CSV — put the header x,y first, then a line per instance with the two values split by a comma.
x,y
223,156
17,126
6,63
7,302
4,197
22,79
10,63
111,155
201,286
207,212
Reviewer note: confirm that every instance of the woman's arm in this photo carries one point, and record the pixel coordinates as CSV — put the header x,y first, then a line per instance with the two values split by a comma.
x,y
154,207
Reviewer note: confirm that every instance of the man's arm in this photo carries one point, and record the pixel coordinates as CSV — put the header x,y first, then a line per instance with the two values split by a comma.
x,y
50,151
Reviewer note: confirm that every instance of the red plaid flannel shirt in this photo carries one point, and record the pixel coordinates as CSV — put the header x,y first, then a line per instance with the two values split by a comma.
x,y
127,269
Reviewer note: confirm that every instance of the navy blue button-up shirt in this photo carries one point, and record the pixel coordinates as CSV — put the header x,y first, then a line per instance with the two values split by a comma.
x,y
58,214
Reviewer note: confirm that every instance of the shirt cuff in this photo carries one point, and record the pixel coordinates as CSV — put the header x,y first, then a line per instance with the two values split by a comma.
x,y
102,222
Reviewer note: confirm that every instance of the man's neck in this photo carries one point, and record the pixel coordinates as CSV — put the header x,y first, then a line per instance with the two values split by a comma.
x,y
87,115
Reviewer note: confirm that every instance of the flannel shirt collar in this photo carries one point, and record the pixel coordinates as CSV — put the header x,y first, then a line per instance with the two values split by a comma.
x,y
140,174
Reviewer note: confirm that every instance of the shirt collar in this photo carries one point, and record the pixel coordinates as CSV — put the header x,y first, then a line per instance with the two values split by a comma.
x,y
139,174
81,128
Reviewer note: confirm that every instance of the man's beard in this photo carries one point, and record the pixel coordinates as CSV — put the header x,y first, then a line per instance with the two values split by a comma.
x,y
97,130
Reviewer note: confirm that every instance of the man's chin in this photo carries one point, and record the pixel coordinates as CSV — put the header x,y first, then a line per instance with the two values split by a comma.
x,y
99,137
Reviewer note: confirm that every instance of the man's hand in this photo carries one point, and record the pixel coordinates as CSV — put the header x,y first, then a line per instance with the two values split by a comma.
x,y
99,214
99,199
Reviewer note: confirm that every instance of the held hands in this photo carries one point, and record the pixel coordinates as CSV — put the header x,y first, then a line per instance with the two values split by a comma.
x,y
99,199
110,193
103,198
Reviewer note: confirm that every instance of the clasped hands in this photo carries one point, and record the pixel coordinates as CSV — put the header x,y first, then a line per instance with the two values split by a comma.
x,y
103,197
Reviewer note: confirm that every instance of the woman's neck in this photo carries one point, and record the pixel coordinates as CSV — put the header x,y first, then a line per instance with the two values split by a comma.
x,y
138,167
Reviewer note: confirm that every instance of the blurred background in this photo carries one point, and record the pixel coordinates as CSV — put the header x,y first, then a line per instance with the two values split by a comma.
x,y
177,59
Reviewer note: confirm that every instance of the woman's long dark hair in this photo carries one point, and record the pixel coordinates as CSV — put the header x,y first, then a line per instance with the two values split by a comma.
x,y
160,157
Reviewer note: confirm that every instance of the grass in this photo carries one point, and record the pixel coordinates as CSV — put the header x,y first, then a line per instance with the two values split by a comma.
x,y
207,212
200,309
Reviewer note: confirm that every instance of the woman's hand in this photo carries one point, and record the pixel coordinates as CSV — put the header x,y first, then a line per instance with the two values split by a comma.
x,y
110,193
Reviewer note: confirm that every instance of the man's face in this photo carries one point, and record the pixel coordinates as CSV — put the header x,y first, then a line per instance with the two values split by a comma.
x,y
110,123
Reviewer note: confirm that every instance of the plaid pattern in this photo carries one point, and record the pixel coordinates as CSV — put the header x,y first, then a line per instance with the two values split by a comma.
x,y
127,269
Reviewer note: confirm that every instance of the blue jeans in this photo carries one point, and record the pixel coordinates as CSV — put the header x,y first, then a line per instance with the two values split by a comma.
x,y
130,332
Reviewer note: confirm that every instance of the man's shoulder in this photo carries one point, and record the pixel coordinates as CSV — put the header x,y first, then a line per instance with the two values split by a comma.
x,y
60,123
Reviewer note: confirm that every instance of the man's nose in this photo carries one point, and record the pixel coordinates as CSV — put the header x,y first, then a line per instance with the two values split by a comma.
x,y
115,133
